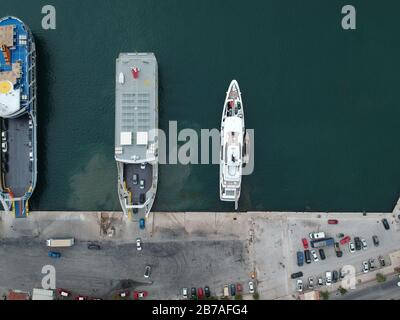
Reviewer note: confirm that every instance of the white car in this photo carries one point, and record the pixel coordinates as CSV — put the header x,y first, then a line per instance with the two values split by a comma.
x,y
311,283
365,267
320,281
314,255
147,271
364,244
184,293
317,235
299,285
251,287
4,147
143,165
352,248
139,244
4,136
328,276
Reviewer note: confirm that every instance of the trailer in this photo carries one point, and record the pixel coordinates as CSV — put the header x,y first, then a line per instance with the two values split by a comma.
x,y
57,243
322,243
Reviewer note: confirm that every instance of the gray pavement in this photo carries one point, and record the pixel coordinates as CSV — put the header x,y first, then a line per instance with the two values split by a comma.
x,y
388,290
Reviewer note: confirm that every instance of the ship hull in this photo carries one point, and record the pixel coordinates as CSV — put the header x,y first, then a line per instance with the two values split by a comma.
x,y
232,140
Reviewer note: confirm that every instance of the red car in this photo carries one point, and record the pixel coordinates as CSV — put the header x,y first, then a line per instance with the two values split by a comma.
x,y
345,240
63,292
333,221
305,243
139,295
239,288
200,293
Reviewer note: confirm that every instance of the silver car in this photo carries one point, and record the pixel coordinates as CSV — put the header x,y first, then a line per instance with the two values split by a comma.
x,y
365,267
352,248
364,244
147,271
299,285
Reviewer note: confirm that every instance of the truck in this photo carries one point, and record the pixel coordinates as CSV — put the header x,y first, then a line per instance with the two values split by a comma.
x,y
57,243
326,242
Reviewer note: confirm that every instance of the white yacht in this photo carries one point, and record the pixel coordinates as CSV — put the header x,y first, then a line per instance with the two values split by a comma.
x,y
232,146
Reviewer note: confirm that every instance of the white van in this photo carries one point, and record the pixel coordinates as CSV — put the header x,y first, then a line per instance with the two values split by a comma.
x,y
317,235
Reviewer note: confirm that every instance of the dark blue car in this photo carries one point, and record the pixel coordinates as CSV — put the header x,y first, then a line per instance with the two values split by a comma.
x,y
142,224
300,258
54,254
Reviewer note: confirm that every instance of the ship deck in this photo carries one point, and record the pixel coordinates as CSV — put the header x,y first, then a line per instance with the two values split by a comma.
x,y
19,175
143,174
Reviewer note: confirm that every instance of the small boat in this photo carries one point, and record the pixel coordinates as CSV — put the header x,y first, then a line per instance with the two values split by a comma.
x,y
232,145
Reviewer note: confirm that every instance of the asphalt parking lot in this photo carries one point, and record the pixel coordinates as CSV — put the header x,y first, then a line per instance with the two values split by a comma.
x,y
363,227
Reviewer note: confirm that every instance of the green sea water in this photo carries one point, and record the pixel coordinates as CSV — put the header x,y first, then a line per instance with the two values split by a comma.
x,y
324,102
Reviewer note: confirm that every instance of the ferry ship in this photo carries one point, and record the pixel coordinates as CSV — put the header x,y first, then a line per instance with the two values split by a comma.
x,y
17,115
136,132
234,146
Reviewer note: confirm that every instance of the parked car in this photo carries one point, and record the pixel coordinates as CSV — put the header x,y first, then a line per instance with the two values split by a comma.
x,y
81,298
185,293
143,294
239,288
358,243
63,292
365,268
143,165
93,246
141,184
4,147
335,276
54,254
322,254
307,256
371,263
386,224
352,248
135,179
207,291
299,285
338,252
232,290
317,235
142,224
300,258
296,275
320,281
382,261
123,294
342,273
333,221
328,278
345,240
138,244
200,293
226,291
310,283
364,244
305,243
375,239
194,293
251,287
314,255
147,271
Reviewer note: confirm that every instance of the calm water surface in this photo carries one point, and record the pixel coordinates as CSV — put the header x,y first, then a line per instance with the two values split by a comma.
x,y
324,102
